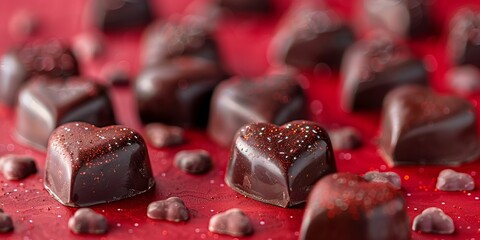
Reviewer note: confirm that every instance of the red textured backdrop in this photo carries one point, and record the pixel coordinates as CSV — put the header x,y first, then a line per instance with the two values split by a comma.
x,y
243,43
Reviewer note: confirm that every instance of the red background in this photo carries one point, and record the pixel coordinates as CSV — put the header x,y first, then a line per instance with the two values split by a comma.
x,y
243,42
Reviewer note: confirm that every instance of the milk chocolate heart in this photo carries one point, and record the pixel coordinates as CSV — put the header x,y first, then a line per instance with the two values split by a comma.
x,y
277,99
86,165
373,67
422,127
46,103
346,206
279,165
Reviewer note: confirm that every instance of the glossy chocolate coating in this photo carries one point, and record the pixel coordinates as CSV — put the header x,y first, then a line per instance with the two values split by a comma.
x,y
45,58
404,18
245,5
372,68
279,165
47,103
86,165
111,15
464,37
163,41
276,99
311,35
346,206
420,127
177,92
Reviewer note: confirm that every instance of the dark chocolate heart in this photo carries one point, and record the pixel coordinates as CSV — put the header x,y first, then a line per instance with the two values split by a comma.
x,y
86,165
279,165
346,206
422,127
277,99
47,103
373,67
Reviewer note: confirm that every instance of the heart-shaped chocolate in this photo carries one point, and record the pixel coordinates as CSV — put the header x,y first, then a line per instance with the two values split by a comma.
x,y
346,206
279,165
277,99
373,67
46,103
86,165
422,127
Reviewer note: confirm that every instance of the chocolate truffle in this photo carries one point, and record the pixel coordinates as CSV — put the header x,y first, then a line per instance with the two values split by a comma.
x,y
6,223
87,221
433,220
242,6
86,165
163,41
233,222
346,206
193,161
17,167
384,177
50,58
450,180
404,18
422,127
311,35
279,165
171,209
161,135
373,67
464,37
177,92
44,104
277,99
113,15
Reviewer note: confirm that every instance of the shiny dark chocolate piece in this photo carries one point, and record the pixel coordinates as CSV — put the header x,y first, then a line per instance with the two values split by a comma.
x,y
163,41
311,35
433,220
277,99
464,80
279,165
346,206
87,221
345,138
177,92
171,209
233,222
16,167
384,177
6,223
242,6
404,18
193,161
18,65
161,135
464,37
372,68
86,165
44,104
420,127
450,180
113,15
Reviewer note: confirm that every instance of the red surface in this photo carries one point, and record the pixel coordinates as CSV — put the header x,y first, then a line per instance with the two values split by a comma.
x,y
242,42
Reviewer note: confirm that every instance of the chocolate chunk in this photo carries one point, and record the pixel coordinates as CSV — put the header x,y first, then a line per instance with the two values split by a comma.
x,y
193,161
345,138
47,103
464,80
16,167
6,223
384,177
177,92
23,24
422,127
164,41
172,209
450,180
86,165
233,222
279,165
18,65
346,206
311,35
161,135
433,220
464,37
242,6
114,15
276,99
88,46
87,221
404,18
375,66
